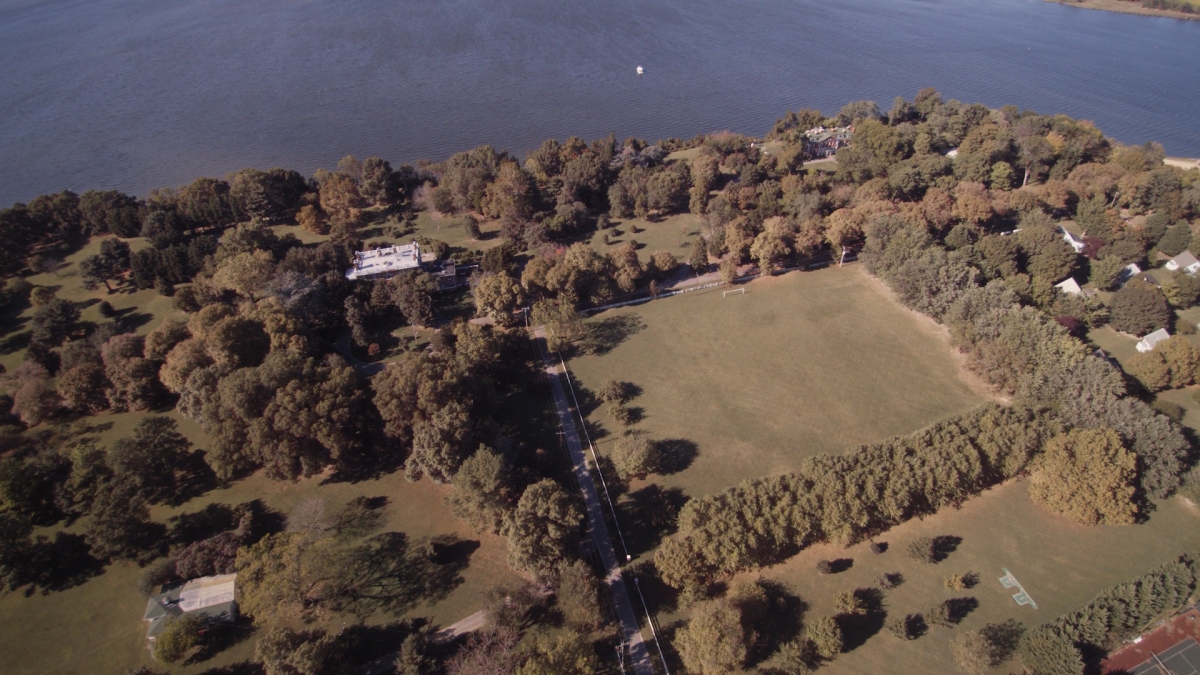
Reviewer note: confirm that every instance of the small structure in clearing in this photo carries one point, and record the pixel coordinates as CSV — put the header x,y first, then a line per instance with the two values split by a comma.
x,y
1151,340
210,598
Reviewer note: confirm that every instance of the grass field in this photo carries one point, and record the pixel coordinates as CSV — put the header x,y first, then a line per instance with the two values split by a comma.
x,y
1060,564
801,364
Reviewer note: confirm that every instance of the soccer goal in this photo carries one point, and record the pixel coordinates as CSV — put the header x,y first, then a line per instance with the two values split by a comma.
x,y
726,294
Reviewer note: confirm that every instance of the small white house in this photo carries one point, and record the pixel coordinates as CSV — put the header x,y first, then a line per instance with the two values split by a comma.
x,y
1069,286
1184,261
1131,270
1151,340
1073,241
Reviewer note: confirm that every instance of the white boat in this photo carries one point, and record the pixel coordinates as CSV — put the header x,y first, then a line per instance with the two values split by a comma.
x,y
639,70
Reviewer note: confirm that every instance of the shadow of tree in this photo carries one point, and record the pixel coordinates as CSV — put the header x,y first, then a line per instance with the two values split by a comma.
x,y
60,563
840,565
220,637
386,573
187,528
606,334
649,515
858,628
239,668
783,617
15,343
944,545
675,455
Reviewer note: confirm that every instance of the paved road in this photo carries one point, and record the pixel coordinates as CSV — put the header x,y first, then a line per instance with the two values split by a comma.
x,y
631,632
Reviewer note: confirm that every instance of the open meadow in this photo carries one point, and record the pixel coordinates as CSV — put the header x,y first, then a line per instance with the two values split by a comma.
x,y
801,364
1060,564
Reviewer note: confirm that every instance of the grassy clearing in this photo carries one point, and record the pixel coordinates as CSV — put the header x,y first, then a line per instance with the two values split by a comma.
x,y
801,364
1060,564
674,234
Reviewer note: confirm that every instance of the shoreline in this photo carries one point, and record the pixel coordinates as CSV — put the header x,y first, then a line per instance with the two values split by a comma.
x,y
1126,7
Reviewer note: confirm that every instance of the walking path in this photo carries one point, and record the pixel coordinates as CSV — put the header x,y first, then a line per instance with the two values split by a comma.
x,y
630,631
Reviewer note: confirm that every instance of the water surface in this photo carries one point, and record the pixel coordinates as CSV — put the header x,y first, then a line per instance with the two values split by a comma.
x,y
135,94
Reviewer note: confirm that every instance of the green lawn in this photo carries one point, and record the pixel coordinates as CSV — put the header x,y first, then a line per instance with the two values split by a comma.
x,y
1060,564
674,234
801,364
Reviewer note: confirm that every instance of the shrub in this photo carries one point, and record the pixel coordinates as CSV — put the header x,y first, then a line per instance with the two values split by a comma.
x,y
907,627
889,580
824,567
877,548
106,309
921,549
827,636
961,582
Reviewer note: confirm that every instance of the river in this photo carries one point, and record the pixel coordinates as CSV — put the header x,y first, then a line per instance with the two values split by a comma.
x,y
135,94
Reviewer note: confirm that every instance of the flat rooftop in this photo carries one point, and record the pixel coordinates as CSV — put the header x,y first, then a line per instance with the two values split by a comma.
x,y
385,262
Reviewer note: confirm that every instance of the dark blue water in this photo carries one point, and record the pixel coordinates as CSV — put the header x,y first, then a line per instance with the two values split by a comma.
x,y
135,94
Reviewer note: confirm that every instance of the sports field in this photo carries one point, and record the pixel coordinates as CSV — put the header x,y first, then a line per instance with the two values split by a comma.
x,y
804,363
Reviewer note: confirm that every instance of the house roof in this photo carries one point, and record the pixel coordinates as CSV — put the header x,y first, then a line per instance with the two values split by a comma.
x,y
381,261
206,596
1156,337
1185,260
1069,285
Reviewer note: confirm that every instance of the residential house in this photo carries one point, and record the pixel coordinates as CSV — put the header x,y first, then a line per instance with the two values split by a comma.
x,y
1151,340
1184,261
210,598
1072,241
821,142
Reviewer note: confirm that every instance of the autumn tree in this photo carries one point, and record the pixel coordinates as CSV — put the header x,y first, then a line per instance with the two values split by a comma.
x,y
1177,239
561,321
1088,476
713,642
826,634
570,654
578,595
83,388
542,529
150,458
634,455
497,296
178,638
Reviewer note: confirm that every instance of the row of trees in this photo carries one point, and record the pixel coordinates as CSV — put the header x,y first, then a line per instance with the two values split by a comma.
x,y
1062,646
843,499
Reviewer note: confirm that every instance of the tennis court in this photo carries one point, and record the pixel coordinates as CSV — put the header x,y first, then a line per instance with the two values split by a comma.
x,y
1182,659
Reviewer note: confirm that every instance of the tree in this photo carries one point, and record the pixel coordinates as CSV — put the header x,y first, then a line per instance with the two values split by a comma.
x,y
1088,476
120,526
1105,271
486,652
699,258
148,460
181,635
163,339
1177,239
340,198
289,574
1045,650
1182,290
246,273
283,651
237,342
481,494
565,655
312,219
976,651
856,111
634,455
849,602
53,322
133,380
561,321
83,388
1150,368
578,595
542,529
440,443
1182,360
729,270
378,183
826,634
34,401
1139,308
713,642
497,296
